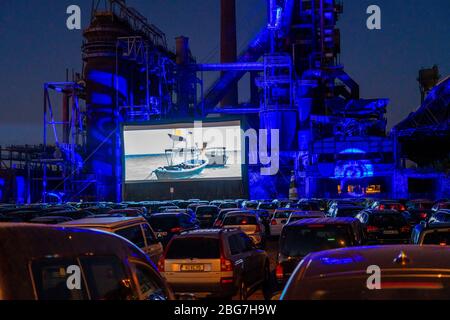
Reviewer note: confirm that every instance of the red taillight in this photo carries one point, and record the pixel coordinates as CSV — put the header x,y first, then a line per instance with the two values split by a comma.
x,y
279,272
218,223
176,230
402,208
423,215
405,229
372,229
226,280
161,263
273,222
382,207
226,265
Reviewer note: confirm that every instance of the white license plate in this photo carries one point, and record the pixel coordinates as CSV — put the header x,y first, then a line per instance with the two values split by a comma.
x,y
192,267
390,232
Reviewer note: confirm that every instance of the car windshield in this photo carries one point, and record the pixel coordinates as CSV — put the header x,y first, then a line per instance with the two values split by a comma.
x,y
164,222
194,248
239,220
299,241
438,238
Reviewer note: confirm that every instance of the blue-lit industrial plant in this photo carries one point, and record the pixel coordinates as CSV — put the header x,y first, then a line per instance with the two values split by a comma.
x,y
332,141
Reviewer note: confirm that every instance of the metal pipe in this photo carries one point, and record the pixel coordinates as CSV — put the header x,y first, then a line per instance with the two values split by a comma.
x,y
243,66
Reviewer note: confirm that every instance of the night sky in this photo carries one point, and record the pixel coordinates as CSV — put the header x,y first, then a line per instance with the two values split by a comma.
x,y
36,47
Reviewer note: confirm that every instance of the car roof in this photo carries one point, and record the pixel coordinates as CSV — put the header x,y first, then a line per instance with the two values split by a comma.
x,y
107,222
342,261
208,232
169,214
328,221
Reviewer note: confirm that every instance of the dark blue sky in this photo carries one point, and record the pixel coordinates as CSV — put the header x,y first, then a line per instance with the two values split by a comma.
x,y
36,47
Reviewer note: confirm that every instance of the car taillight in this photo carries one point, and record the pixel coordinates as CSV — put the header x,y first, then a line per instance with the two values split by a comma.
x,y
175,230
423,215
405,229
372,229
382,207
226,265
217,223
273,222
161,263
279,272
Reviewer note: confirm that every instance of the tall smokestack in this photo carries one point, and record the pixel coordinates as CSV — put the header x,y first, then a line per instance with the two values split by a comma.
x,y
228,44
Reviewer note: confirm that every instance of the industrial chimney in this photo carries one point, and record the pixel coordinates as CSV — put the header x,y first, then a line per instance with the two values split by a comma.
x,y
228,45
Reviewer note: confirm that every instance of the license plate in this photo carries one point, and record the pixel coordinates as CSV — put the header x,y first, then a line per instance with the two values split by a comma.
x,y
390,232
193,267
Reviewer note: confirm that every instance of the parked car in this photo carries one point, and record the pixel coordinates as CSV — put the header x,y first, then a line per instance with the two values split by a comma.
x,y
250,204
214,263
303,237
166,225
221,216
440,216
206,215
114,269
431,234
407,273
388,205
137,230
250,223
385,226
279,219
228,205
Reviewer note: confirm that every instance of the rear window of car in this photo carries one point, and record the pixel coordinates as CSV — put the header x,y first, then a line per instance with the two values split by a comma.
x,y
194,248
50,278
382,220
437,238
282,214
267,206
201,211
133,234
164,222
299,241
239,220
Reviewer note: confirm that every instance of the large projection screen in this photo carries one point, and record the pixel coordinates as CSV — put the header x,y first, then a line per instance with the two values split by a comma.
x,y
171,156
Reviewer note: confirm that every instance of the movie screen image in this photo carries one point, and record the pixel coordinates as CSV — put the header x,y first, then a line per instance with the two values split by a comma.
x,y
184,151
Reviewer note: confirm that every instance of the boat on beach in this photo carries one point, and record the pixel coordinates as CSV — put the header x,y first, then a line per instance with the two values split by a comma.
x,y
192,162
